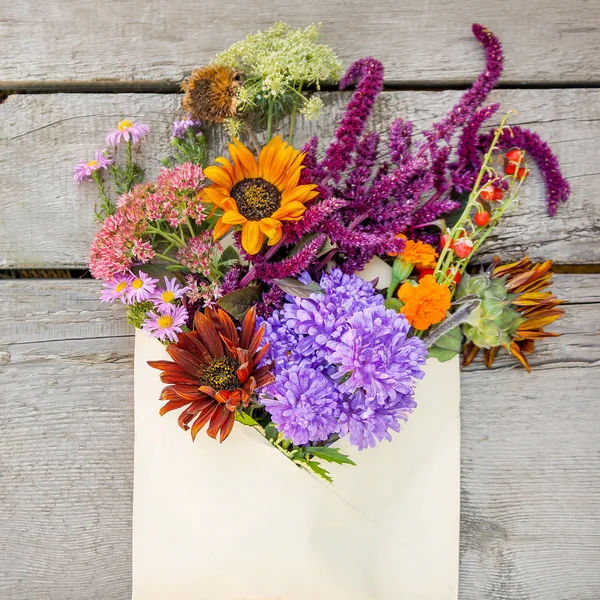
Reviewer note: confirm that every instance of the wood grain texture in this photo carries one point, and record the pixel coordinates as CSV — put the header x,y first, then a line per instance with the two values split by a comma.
x,y
43,136
107,41
530,527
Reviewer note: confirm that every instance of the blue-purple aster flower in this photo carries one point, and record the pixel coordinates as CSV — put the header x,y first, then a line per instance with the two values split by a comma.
x,y
366,423
343,364
320,318
303,403
180,127
374,354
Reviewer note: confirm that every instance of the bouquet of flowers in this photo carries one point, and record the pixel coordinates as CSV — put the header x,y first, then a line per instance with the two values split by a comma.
x,y
299,292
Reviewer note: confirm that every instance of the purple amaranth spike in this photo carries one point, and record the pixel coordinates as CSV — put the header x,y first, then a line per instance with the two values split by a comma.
x,y
369,73
557,187
400,140
366,156
292,266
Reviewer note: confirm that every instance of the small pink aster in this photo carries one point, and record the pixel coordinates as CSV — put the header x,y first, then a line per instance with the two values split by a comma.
x,y
83,170
116,289
166,323
141,287
125,131
172,291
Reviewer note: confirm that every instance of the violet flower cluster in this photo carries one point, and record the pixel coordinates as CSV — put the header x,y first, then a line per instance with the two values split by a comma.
x,y
364,204
344,364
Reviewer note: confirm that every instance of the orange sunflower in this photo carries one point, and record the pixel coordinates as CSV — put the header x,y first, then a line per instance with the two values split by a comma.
x,y
215,369
258,194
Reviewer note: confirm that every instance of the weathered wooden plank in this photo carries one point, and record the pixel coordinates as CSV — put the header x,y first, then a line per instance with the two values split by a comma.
x,y
530,461
52,43
43,136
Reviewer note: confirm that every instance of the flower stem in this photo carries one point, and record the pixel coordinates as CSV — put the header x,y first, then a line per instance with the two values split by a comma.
x,y
293,117
252,135
270,121
167,258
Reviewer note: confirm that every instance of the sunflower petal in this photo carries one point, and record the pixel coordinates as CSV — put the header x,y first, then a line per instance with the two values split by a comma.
x,y
248,327
220,176
232,217
208,335
203,419
172,405
244,163
227,427
252,237
220,229
186,360
217,421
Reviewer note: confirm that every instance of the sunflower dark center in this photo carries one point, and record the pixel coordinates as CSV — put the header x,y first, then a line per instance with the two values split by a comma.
x,y
256,198
220,374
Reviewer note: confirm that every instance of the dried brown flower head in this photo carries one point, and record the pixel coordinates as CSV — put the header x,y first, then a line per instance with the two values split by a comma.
x,y
211,93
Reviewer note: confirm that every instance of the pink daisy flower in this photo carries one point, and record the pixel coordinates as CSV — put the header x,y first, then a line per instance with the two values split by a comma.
x,y
83,170
171,292
125,131
141,287
116,289
167,323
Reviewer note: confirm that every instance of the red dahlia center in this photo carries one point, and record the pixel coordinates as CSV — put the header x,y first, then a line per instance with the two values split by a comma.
x,y
221,374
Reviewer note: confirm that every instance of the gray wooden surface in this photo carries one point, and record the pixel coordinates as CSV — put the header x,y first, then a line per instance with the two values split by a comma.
x,y
530,517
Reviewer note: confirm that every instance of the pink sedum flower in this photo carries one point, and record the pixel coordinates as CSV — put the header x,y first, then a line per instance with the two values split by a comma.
x,y
116,289
83,170
126,131
199,253
141,287
172,291
166,323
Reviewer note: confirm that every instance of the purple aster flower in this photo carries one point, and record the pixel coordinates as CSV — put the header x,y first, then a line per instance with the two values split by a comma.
x,y
116,289
126,131
83,170
367,423
166,323
320,318
374,354
303,404
172,291
180,127
141,287
282,340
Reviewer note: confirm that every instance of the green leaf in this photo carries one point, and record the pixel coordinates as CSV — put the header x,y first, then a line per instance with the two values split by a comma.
x,y
394,304
319,470
296,288
271,432
245,419
239,302
230,253
332,455
447,346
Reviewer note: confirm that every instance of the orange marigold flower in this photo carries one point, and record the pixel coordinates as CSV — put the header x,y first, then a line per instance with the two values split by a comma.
x,y
426,303
418,253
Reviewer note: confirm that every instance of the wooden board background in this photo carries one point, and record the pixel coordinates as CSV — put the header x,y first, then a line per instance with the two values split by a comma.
x,y
530,524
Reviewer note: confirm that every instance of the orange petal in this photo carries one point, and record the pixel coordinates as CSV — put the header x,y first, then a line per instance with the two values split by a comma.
x,y
215,194
227,427
233,217
208,335
252,237
289,212
220,176
220,229
243,160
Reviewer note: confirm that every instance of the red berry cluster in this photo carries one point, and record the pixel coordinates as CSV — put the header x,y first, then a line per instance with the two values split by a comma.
x,y
515,159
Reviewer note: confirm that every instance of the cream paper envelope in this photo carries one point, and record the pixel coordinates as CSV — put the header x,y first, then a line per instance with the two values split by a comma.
x,y
239,521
